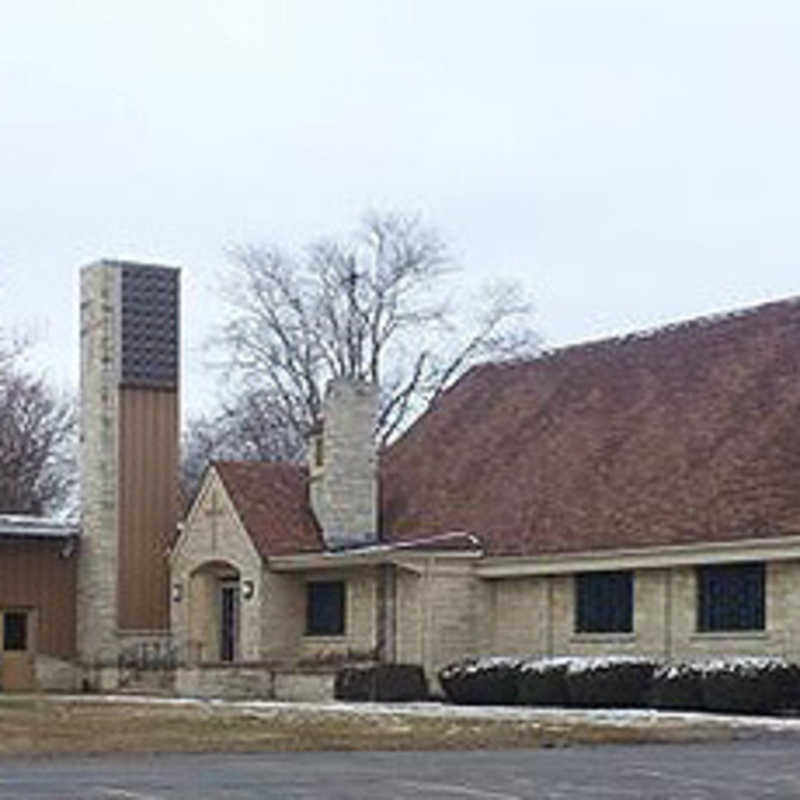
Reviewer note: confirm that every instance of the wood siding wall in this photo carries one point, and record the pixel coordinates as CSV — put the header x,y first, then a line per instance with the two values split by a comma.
x,y
148,505
34,574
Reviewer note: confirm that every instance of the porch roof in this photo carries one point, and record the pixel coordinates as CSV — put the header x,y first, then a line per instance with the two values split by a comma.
x,y
25,526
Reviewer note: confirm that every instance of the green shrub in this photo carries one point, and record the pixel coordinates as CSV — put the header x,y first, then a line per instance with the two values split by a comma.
x,y
736,684
543,682
677,686
381,682
481,681
750,685
612,682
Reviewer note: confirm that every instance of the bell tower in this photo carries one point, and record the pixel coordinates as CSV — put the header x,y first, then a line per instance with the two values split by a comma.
x,y
129,457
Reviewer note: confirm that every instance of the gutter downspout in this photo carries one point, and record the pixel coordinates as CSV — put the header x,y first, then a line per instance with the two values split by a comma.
x,y
668,614
549,617
427,620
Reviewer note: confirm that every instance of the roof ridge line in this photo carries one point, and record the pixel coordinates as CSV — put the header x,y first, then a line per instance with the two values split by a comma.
x,y
643,334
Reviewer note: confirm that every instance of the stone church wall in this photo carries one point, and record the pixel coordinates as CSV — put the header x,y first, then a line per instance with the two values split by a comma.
x,y
283,616
361,635
440,607
536,616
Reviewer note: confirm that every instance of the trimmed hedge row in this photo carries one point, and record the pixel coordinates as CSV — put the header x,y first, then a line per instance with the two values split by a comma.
x,y
381,682
487,681
741,685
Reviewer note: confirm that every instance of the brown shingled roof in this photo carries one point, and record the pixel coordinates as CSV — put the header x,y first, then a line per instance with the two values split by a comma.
x,y
272,502
686,434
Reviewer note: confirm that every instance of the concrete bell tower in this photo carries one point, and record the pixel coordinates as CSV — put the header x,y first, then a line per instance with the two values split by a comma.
x,y
129,458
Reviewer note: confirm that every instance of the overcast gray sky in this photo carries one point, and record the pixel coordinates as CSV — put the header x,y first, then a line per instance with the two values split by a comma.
x,y
633,162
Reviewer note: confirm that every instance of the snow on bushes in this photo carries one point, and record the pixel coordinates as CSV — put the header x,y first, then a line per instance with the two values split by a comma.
x,y
543,682
611,682
742,685
481,681
751,685
619,682
677,686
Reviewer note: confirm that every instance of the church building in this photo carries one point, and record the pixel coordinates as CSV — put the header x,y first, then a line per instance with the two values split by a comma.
x,y
632,496
638,495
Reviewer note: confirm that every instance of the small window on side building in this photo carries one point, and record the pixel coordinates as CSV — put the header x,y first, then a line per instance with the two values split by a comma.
x,y
15,631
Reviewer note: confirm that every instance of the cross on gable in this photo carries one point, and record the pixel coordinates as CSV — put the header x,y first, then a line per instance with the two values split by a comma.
x,y
214,513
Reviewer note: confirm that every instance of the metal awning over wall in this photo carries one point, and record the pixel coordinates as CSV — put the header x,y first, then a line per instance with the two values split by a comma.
x,y
24,526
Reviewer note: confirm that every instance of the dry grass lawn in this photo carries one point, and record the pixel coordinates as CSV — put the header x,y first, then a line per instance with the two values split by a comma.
x,y
49,725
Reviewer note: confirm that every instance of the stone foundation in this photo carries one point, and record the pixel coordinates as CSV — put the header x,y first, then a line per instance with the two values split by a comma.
x,y
55,674
99,679
308,687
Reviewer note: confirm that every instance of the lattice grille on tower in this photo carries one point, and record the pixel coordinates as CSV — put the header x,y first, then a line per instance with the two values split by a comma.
x,y
149,326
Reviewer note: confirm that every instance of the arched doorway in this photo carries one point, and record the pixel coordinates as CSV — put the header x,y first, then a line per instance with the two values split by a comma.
x,y
214,612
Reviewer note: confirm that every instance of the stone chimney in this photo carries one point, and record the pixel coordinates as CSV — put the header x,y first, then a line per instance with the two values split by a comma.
x,y
343,465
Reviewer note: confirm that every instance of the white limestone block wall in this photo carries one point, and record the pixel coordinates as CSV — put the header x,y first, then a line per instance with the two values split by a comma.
x,y
100,370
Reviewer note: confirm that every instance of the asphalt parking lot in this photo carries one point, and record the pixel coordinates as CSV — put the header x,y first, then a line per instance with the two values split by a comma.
x,y
761,768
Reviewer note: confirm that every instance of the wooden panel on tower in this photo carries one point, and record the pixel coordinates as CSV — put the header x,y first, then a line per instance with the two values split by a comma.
x,y
148,443
148,505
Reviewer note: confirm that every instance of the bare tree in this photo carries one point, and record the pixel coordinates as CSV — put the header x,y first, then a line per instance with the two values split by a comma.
x,y
246,428
374,307
37,430
201,442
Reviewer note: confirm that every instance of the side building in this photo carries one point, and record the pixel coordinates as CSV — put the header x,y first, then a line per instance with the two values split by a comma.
x,y
38,574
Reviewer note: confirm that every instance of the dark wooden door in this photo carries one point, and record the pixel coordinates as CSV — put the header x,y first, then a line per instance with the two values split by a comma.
x,y
229,622
16,667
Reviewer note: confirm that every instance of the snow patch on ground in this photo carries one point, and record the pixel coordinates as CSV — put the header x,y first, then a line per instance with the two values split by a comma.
x,y
633,717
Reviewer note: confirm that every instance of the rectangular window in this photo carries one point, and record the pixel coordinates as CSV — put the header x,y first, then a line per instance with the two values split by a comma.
x,y
15,631
325,608
730,597
604,602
